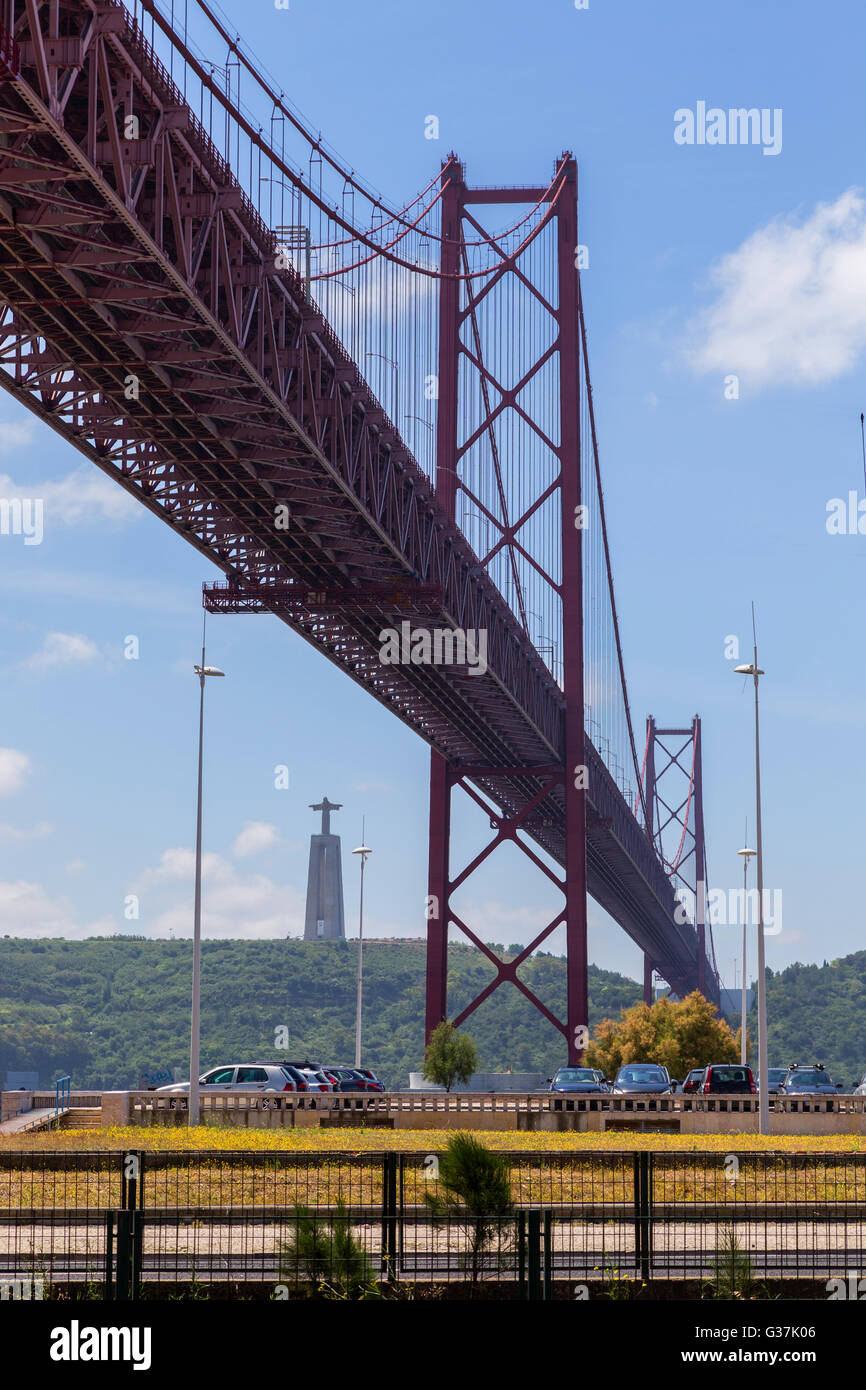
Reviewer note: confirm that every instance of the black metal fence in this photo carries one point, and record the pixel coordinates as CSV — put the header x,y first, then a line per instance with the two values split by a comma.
x,y
608,1222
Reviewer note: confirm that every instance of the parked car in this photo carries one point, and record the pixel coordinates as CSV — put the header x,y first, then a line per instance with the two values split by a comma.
x,y
373,1082
306,1078
693,1081
348,1079
643,1078
264,1078
728,1079
809,1080
576,1081
317,1080
775,1077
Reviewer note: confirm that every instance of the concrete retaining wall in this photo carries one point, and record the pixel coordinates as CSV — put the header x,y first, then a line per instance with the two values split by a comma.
x,y
14,1103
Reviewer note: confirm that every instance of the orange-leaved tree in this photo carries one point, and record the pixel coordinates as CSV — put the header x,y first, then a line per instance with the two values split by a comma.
x,y
679,1034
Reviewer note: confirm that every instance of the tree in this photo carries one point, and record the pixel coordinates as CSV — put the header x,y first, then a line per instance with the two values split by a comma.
x,y
328,1253
679,1035
450,1056
474,1190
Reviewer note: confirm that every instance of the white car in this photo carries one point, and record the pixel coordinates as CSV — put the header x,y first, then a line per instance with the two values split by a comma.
x,y
264,1079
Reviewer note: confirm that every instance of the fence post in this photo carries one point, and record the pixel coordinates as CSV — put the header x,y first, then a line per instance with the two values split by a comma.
x,y
109,1255
135,1207
123,1268
650,1219
638,1238
401,1206
643,1214
123,1259
521,1253
389,1210
534,1254
548,1255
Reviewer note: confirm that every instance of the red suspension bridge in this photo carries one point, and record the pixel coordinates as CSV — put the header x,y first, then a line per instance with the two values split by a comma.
x,y
367,418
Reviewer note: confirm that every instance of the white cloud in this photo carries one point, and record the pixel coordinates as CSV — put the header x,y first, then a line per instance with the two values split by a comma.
x,y
14,769
27,910
253,906
233,903
179,865
63,649
84,496
14,434
790,307
13,834
256,836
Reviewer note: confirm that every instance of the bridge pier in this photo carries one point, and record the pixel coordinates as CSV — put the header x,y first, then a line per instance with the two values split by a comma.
x,y
532,792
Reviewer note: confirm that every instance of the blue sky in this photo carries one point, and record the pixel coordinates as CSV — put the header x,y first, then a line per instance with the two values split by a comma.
x,y
704,261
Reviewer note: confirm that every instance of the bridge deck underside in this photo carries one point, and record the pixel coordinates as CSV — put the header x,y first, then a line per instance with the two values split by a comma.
x,y
245,401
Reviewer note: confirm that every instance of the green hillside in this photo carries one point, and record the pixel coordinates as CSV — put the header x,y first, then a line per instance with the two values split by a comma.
x,y
107,1010
817,1013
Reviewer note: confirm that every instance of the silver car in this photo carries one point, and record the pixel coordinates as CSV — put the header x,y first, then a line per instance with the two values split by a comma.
x,y
265,1079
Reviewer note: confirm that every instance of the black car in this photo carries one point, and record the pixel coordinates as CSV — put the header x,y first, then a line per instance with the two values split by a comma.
x,y
372,1080
727,1079
808,1081
350,1079
576,1081
643,1078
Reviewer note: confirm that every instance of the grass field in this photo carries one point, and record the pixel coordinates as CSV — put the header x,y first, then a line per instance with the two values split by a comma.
x,y
213,1167
155,1139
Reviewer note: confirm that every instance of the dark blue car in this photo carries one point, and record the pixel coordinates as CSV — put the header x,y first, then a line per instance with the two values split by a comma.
x,y
808,1081
643,1078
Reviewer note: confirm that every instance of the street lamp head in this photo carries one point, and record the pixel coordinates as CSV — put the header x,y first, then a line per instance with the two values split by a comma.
x,y
208,671
747,852
362,849
749,670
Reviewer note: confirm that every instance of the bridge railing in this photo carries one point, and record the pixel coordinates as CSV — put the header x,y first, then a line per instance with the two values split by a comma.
x,y
147,1107
145,1103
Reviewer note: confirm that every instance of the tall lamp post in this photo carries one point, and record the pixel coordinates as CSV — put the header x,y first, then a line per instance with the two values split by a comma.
x,y
754,670
747,855
363,851
202,672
